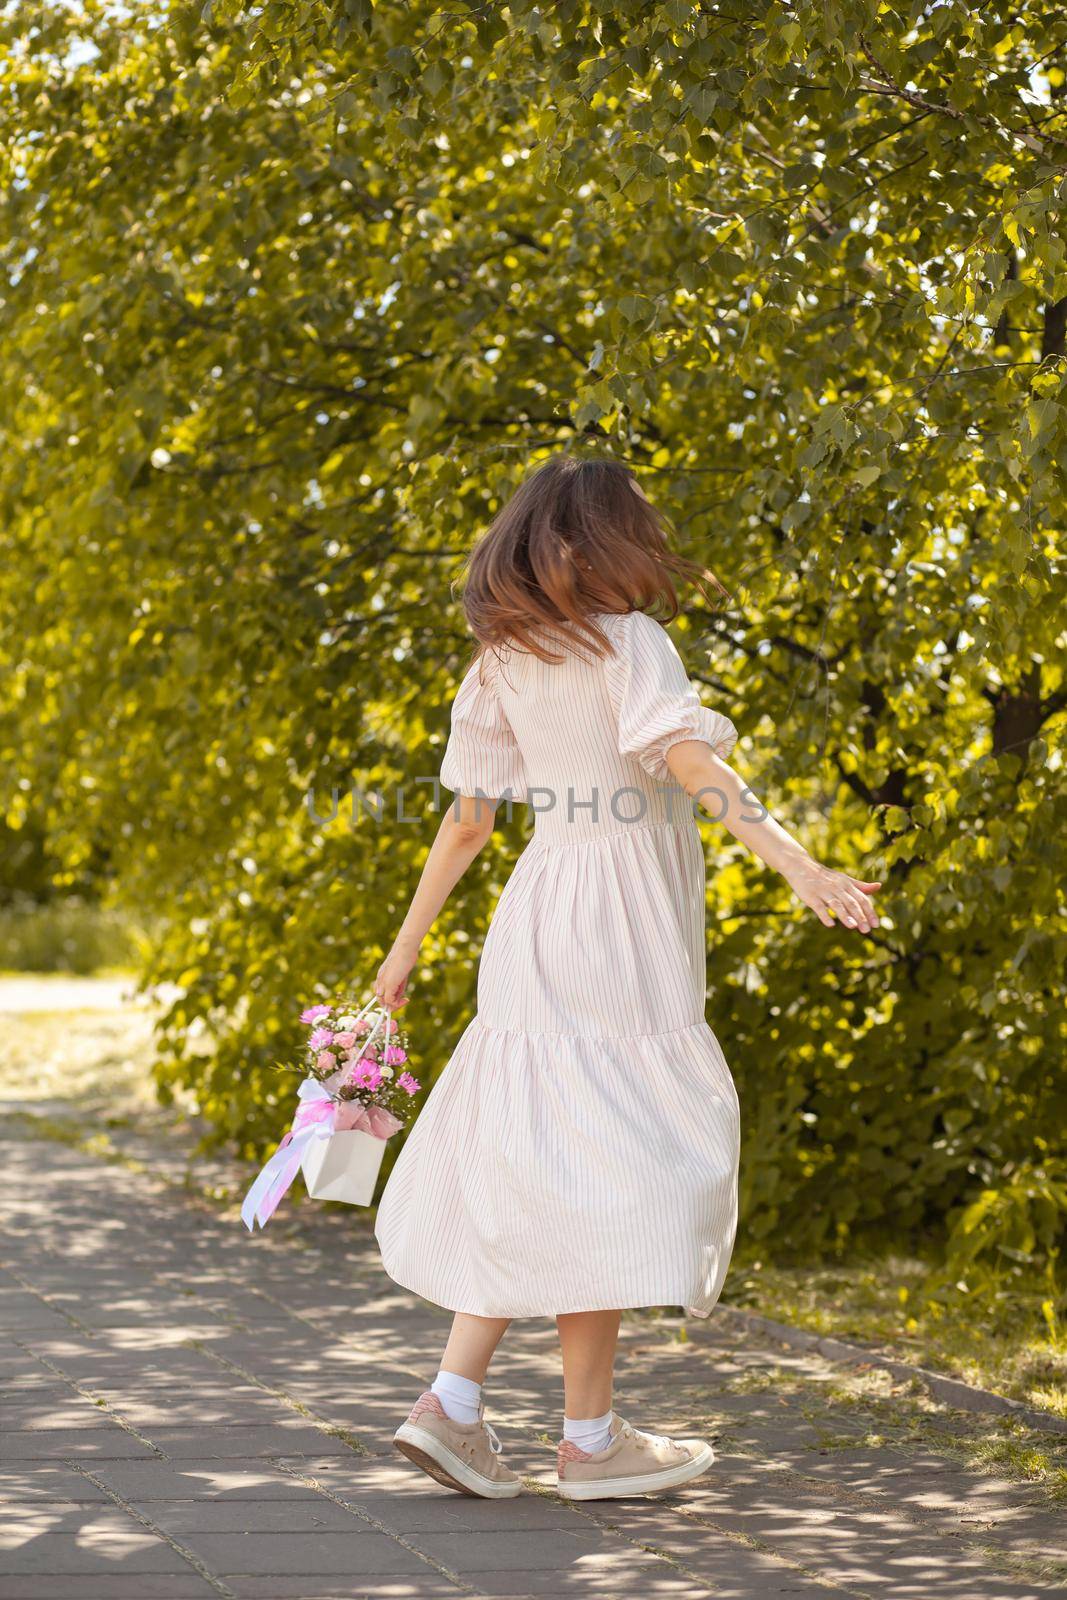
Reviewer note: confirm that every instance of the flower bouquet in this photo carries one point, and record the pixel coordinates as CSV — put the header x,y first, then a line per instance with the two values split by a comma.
x,y
357,1092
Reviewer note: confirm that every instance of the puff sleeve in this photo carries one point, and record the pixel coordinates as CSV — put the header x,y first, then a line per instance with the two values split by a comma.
x,y
653,699
482,756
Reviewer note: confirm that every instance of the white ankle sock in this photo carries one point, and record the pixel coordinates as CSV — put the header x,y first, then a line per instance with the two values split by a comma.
x,y
591,1434
461,1397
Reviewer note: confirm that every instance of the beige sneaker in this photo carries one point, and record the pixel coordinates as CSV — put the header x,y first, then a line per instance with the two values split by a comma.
x,y
633,1463
462,1455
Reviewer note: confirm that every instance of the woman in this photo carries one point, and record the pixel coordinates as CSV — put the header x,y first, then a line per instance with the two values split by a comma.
x,y
578,1155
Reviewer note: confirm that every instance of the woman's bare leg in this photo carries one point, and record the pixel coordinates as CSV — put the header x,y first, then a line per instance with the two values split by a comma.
x,y
472,1345
588,1340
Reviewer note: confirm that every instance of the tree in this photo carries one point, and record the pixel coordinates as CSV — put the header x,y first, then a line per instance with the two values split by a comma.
x,y
293,296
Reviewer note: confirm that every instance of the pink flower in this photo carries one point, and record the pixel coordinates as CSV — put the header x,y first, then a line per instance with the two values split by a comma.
x,y
314,1014
326,1062
394,1055
345,1040
362,1026
391,1024
409,1084
366,1074
321,1039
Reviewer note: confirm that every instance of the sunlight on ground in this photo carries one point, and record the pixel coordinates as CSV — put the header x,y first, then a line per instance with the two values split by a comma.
x,y
78,1055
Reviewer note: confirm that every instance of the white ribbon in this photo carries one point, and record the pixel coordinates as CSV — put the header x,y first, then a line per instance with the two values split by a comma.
x,y
277,1175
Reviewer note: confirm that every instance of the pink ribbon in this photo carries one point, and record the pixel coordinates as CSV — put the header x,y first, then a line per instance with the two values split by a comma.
x,y
317,1117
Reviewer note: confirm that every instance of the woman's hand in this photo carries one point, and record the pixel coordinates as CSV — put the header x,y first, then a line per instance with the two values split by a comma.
x,y
833,894
391,983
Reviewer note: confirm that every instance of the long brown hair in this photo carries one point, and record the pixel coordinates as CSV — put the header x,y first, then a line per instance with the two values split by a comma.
x,y
577,537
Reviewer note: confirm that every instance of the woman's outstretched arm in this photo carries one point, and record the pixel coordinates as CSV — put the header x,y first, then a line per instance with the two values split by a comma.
x,y
716,786
466,828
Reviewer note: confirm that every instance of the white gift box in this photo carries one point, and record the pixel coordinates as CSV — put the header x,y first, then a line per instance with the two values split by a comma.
x,y
343,1167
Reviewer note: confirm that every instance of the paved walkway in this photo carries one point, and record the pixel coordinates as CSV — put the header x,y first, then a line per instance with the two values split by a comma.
x,y
188,1412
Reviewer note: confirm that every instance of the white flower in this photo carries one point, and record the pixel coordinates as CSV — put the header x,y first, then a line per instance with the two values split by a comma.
x,y
345,1024
386,1072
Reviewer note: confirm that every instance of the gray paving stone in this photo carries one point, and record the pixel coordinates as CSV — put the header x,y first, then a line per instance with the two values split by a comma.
x,y
84,1553
426,1585
113,1373
49,1390
91,1444
24,1380
152,1410
288,1433
30,1481
20,1520
628,1575
516,1550
33,1324
186,1585
231,1479
310,1555
304,1513
65,1411
25,1316
457,1513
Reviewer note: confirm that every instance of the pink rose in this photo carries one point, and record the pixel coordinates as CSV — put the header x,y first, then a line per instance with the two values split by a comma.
x,y
362,1026
409,1084
345,1040
326,1061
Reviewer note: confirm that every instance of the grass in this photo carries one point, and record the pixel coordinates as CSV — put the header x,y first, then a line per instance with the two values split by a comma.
x,y
852,1409
1013,1344
65,936
94,1064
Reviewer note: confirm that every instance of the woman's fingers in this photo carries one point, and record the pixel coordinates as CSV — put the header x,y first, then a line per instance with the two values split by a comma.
x,y
394,996
815,902
859,908
834,896
393,1001
853,907
870,911
390,990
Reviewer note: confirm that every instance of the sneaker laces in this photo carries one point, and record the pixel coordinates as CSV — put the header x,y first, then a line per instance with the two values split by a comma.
x,y
656,1438
494,1443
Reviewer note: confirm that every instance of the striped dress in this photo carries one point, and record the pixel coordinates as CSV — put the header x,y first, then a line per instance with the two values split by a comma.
x,y
579,1151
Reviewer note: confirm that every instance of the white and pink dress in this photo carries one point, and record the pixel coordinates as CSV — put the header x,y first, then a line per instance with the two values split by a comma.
x,y
579,1151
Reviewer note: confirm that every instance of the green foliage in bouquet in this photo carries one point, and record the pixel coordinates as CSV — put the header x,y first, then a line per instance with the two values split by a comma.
x,y
292,295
